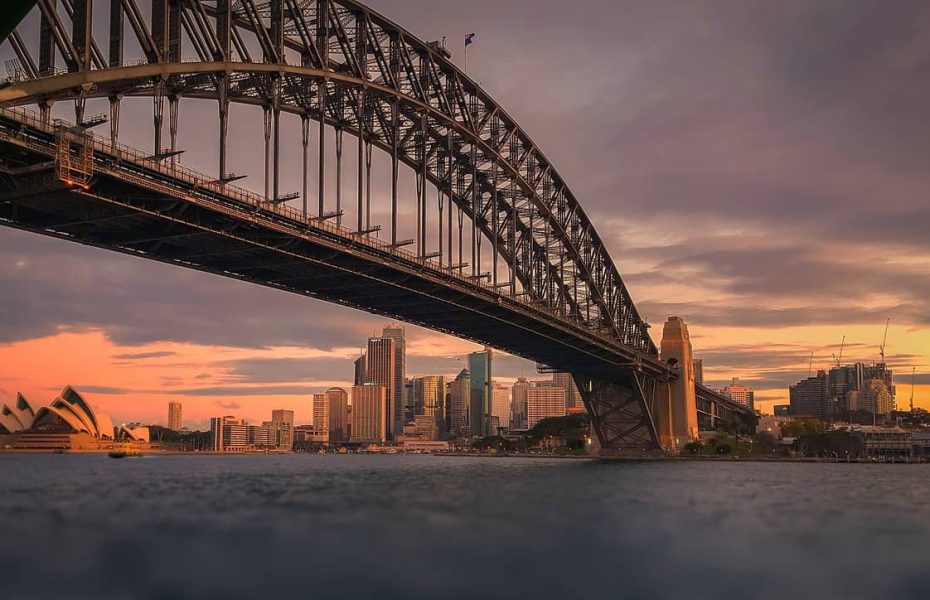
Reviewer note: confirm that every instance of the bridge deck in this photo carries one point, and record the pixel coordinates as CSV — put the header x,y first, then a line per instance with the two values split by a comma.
x,y
140,206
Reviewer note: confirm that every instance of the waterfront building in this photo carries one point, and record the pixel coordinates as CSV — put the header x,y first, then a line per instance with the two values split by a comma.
x,y
174,416
263,436
698,371
134,432
500,405
518,403
283,422
809,397
479,414
331,414
68,423
543,402
460,404
426,427
369,413
308,434
229,434
739,393
17,416
381,359
396,333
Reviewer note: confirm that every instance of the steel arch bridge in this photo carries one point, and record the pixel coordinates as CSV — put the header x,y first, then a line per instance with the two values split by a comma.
x,y
503,253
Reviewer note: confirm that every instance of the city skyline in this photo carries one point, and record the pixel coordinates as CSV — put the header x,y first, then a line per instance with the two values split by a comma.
x,y
728,227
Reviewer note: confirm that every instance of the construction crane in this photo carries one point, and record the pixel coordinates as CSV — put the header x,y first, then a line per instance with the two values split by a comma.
x,y
839,359
913,381
881,349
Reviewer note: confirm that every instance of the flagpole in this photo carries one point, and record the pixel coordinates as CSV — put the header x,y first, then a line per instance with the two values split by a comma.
x,y
465,37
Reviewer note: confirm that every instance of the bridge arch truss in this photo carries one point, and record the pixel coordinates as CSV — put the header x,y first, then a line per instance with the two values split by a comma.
x,y
337,63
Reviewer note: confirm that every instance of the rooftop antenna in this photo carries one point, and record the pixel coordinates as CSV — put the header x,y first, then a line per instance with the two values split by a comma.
x,y
810,366
881,349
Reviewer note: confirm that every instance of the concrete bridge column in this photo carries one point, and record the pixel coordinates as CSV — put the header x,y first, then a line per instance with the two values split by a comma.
x,y
678,419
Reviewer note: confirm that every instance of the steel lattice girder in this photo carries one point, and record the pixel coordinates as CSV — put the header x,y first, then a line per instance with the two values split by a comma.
x,y
372,71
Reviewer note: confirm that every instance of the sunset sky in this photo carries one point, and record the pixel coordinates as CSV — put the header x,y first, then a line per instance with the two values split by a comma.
x,y
759,168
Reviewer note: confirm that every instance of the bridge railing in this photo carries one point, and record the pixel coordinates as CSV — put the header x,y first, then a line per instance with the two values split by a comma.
x,y
201,182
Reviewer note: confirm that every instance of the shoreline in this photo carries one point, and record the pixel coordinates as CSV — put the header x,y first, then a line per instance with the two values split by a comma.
x,y
630,458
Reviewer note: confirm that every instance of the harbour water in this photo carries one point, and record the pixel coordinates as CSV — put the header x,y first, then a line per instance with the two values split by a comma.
x,y
368,526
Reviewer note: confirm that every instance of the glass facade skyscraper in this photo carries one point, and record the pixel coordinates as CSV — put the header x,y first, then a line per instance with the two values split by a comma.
x,y
479,366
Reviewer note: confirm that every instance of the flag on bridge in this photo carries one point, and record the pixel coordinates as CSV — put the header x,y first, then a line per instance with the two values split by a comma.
x,y
469,39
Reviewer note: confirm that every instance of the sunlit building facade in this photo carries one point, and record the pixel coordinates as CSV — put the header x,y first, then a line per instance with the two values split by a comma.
x,y
369,411
67,423
500,404
331,414
543,402
381,371
174,416
398,404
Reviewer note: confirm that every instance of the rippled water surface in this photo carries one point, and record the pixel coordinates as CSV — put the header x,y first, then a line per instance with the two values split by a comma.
x,y
299,526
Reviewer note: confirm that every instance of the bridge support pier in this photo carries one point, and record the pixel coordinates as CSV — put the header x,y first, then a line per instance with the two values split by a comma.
x,y
622,413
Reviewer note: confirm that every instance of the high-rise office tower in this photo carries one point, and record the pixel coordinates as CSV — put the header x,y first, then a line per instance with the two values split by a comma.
x,y
518,403
396,333
369,413
500,404
410,400
698,371
381,360
573,402
479,416
229,434
361,370
809,398
174,416
739,393
331,414
283,423
460,404
543,402
281,415
428,395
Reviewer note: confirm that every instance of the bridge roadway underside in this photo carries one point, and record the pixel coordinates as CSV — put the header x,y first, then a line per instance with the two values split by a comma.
x,y
247,244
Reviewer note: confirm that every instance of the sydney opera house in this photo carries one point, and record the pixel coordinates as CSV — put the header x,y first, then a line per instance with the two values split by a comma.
x,y
68,423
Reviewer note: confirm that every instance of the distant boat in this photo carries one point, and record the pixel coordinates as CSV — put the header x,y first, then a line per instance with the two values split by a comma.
x,y
124,451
